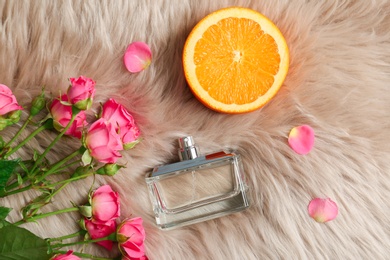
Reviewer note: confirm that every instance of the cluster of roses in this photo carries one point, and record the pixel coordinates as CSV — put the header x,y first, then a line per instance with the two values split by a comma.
x,y
102,141
100,221
113,132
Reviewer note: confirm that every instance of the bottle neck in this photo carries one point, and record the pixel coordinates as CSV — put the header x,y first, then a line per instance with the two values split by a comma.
x,y
188,150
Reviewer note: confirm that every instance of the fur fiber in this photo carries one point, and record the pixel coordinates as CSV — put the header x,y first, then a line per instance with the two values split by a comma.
x,y
338,83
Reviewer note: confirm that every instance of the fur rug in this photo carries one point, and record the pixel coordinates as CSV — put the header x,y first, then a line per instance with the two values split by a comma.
x,y
338,83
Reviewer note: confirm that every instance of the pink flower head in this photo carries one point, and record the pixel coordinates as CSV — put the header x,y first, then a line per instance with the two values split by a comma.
x,y
8,101
123,121
99,230
105,204
103,142
68,256
131,237
301,139
323,210
62,114
138,57
144,257
81,92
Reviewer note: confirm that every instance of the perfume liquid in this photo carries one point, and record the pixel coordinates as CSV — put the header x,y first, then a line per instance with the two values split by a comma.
x,y
197,188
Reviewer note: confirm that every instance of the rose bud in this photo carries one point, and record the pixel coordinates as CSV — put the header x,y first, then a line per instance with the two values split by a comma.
x,y
109,169
9,107
38,103
105,204
131,237
81,92
62,115
68,256
8,101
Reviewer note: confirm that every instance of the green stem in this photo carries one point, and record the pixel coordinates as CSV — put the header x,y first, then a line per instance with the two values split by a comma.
x,y
78,233
66,166
68,180
19,132
7,193
58,137
15,184
46,125
57,165
111,237
44,215
83,255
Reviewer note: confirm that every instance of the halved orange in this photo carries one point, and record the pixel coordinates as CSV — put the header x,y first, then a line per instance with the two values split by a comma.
x,y
235,60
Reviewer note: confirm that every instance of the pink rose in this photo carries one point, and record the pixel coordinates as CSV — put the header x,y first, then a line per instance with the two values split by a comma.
x,y
81,92
62,114
105,204
132,258
8,101
103,142
131,237
122,120
99,230
138,258
68,256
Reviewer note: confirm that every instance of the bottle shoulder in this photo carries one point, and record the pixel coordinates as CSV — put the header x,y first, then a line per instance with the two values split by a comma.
x,y
209,159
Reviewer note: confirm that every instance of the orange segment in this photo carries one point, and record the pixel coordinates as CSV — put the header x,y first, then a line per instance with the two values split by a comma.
x,y
235,60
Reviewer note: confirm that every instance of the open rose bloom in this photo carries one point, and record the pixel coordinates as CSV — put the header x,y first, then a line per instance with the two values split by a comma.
x,y
131,237
81,92
103,142
123,121
63,113
99,230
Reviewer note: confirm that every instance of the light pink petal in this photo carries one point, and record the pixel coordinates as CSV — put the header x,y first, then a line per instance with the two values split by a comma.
x,y
138,57
323,210
301,139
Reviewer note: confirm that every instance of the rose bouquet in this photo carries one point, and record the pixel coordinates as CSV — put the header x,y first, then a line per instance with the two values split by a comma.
x,y
101,144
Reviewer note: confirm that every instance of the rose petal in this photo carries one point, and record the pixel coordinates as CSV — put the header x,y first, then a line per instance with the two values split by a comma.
x,y
301,139
322,210
138,57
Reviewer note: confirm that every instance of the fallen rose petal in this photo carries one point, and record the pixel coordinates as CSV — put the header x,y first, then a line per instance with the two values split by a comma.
x,y
138,57
301,139
323,210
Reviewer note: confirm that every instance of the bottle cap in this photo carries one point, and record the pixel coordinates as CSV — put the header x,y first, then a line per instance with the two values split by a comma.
x,y
187,148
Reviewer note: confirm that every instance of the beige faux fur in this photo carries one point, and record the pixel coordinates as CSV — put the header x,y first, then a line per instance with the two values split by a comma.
x,y
338,83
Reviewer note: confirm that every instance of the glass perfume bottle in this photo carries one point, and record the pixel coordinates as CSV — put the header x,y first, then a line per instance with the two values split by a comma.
x,y
198,188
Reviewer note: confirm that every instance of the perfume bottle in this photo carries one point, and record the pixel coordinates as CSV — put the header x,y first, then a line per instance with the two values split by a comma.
x,y
198,188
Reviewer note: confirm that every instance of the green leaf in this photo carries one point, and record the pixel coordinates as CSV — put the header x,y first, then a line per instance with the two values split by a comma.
x,y
2,143
20,244
4,212
131,145
7,167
